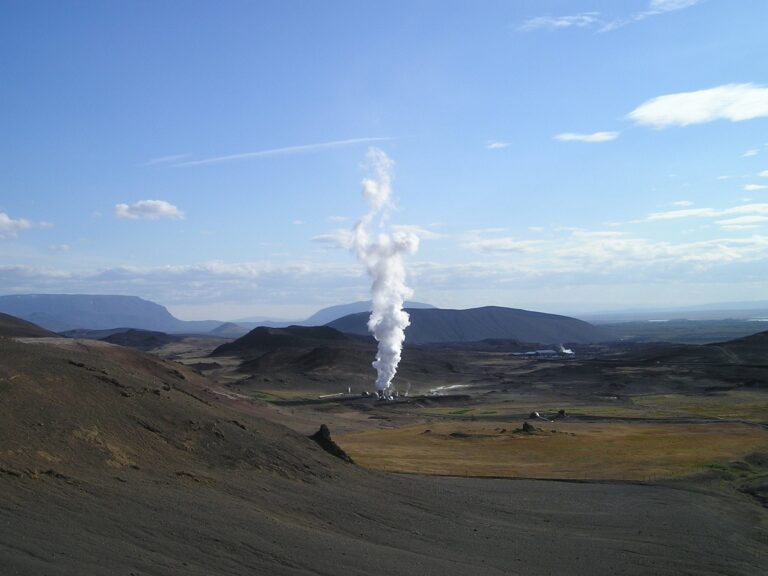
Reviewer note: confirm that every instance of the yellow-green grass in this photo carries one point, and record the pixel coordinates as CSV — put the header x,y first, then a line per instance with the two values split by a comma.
x,y
751,406
589,451
736,405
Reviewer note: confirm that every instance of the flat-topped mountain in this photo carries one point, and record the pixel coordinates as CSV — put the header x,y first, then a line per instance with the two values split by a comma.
x,y
61,312
489,322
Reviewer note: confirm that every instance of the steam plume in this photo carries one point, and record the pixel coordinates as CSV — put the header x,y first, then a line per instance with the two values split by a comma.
x,y
381,251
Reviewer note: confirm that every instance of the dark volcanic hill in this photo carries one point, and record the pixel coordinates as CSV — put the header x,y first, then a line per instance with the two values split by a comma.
x,y
229,330
746,351
749,349
61,312
261,340
490,322
141,339
324,359
12,327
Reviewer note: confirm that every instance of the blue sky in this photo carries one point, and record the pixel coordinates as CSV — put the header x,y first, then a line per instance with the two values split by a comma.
x,y
559,156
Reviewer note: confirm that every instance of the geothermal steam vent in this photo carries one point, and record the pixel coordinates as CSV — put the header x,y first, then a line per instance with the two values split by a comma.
x,y
381,250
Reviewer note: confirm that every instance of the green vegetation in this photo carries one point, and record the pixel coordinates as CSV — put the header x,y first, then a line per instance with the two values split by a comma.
x,y
584,451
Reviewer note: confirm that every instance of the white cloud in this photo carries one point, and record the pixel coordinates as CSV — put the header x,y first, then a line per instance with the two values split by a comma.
x,y
338,218
743,220
298,222
748,153
59,247
9,227
734,102
338,239
685,213
753,209
682,203
149,210
303,148
422,233
503,245
497,145
583,20
764,174
582,256
755,187
592,138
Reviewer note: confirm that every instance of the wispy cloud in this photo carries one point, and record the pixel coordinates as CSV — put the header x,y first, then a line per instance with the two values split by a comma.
x,y
582,20
754,187
764,174
741,217
582,255
339,239
213,282
9,227
655,8
743,222
682,203
504,245
166,159
595,137
496,145
748,153
685,213
601,23
421,232
300,149
338,218
734,102
148,210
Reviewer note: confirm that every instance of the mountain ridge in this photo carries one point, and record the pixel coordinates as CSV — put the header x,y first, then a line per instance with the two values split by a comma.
x,y
475,324
62,312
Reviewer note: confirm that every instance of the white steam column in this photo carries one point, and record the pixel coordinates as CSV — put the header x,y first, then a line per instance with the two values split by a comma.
x,y
381,251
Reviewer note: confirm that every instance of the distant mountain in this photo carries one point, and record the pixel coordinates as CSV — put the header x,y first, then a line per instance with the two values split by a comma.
x,y
230,330
326,315
12,327
61,312
437,325
321,317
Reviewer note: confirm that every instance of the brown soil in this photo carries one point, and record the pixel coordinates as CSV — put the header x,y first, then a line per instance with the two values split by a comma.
x,y
116,462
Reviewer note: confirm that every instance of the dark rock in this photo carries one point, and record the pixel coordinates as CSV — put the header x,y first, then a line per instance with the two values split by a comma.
x,y
323,439
528,428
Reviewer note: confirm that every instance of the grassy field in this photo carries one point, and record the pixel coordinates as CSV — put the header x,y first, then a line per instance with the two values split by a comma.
x,y
734,405
747,405
584,451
